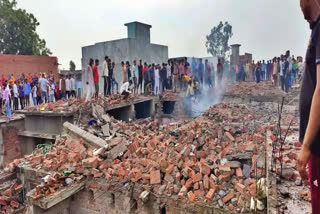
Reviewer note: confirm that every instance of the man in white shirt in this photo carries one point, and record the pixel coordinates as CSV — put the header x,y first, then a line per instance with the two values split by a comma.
x,y
126,89
105,74
68,87
73,87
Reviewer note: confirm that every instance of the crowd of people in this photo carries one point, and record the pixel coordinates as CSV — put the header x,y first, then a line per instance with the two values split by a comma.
x,y
150,79
24,91
283,71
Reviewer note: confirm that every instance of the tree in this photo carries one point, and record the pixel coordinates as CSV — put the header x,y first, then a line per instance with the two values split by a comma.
x,y
72,66
218,40
18,31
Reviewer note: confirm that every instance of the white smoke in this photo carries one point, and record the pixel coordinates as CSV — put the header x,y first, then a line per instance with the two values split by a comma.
x,y
208,98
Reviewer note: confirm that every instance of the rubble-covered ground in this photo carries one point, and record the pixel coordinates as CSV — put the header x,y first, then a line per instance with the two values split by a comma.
x,y
243,89
218,159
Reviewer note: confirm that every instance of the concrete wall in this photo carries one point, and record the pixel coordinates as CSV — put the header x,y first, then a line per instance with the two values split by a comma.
x,y
124,50
52,125
10,142
18,64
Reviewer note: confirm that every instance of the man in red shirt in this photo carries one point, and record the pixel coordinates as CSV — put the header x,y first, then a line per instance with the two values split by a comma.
x,y
2,80
96,77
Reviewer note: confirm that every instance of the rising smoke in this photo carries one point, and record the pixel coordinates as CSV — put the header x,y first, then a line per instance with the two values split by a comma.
x,y
207,98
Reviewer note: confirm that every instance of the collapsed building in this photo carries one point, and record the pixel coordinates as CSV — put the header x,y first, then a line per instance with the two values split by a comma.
x,y
219,162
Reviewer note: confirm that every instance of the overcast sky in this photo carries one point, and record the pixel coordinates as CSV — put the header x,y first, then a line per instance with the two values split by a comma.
x,y
265,28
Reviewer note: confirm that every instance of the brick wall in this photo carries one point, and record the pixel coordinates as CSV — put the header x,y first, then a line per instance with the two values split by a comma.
x,y
18,64
11,144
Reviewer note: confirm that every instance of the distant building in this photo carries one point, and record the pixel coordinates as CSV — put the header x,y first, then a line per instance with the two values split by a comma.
x,y
137,46
25,64
236,58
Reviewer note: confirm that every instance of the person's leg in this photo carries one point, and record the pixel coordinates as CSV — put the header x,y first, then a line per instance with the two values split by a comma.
x,y
21,102
105,87
8,111
314,176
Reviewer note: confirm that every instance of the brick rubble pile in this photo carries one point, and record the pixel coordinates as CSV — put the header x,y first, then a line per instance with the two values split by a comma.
x,y
244,89
213,160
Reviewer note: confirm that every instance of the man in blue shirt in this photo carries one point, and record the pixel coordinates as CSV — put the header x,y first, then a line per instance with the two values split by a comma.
x,y
43,87
27,91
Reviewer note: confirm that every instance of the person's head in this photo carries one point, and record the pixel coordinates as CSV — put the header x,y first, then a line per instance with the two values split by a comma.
x,y
145,64
113,64
130,82
310,9
122,63
134,62
127,63
91,62
42,75
140,62
206,61
106,58
152,65
97,62
287,53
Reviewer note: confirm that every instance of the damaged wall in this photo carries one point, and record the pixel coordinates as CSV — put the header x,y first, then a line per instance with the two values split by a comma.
x,y
10,142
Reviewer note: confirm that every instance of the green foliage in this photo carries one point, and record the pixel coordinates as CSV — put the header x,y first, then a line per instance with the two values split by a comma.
x,y
72,66
218,40
18,31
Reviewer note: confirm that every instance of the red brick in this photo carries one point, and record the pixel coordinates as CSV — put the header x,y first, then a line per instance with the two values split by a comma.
x,y
97,175
224,177
240,188
14,204
199,193
91,162
206,182
155,177
229,136
210,194
239,173
191,196
197,177
170,169
188,183
228,197
36,160
205,169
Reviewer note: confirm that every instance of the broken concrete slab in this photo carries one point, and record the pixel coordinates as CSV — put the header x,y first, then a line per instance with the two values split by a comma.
x,y
117,151
59,196
89,138
106,130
